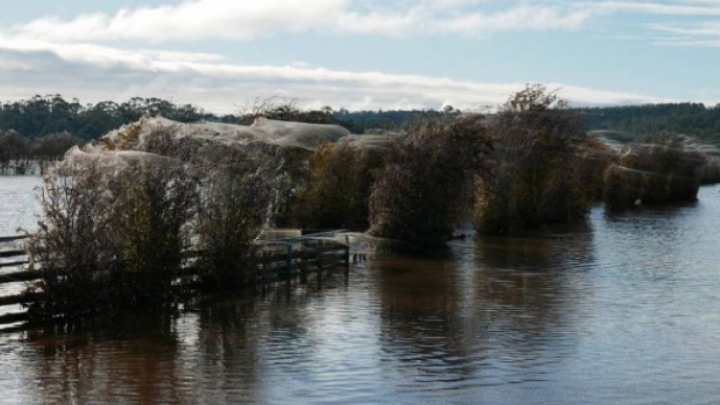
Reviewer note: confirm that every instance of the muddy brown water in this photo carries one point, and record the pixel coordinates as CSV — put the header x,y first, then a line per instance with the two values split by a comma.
x,y
622,310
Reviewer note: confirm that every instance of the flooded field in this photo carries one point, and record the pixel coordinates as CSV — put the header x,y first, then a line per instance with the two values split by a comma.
x,y
19,204
622,310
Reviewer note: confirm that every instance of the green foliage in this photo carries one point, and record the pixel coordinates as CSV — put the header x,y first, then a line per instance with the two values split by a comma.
x,y
44,115
153,204
40,116
361,122
648,122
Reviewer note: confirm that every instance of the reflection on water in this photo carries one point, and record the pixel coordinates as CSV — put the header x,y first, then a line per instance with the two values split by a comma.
x,y
622,310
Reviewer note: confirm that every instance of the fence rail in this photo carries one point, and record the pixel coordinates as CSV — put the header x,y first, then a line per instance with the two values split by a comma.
x,y
278,260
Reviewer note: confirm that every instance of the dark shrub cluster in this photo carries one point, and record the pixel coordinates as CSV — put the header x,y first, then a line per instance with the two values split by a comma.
x,y
545,168
340,180
233,202
20,155
111,241
652,174
710,170
118,225
427,180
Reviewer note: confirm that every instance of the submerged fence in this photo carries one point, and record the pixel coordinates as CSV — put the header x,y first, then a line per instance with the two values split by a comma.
x,y
279,259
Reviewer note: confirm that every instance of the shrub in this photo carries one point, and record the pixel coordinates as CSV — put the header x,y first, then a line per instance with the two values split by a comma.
x,y
709,172
543,171
426,183
652,174
112,235
118,222
71,244
153,204
234,200
341,176
14,153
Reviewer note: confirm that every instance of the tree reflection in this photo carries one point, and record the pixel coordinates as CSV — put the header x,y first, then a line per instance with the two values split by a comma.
x,y
214,353
424,334
201,357
527,291
488,314
129,362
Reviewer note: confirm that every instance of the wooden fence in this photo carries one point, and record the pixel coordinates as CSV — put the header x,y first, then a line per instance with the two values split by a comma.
x,y
280,259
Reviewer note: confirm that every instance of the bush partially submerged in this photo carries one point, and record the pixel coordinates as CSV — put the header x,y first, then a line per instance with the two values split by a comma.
x,y
117,224
545,167
427,180
341,176
653,174
233,202
710,170
112,237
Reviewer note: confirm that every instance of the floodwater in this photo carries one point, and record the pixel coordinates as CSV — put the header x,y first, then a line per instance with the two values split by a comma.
x,y
622,310
19,204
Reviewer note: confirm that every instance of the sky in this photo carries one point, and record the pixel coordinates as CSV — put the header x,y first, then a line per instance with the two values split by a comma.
x,y
223,55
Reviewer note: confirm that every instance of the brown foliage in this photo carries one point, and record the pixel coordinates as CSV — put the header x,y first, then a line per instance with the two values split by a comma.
x,y
427,180
340,181
112,237
285,109
233,201
543,170
653,174
117,225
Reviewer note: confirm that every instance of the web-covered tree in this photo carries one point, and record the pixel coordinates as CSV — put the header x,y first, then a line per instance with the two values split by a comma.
x,y
540,175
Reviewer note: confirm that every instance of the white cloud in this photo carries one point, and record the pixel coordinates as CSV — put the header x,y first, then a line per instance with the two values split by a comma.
x,y
703,34
648,7
238,19
681,22
94,73
6,64
73,57
708,28
522,18
248,19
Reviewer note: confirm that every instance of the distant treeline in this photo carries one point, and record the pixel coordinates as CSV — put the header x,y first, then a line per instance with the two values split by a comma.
x,y
48,115
40,116
652,121
19,155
